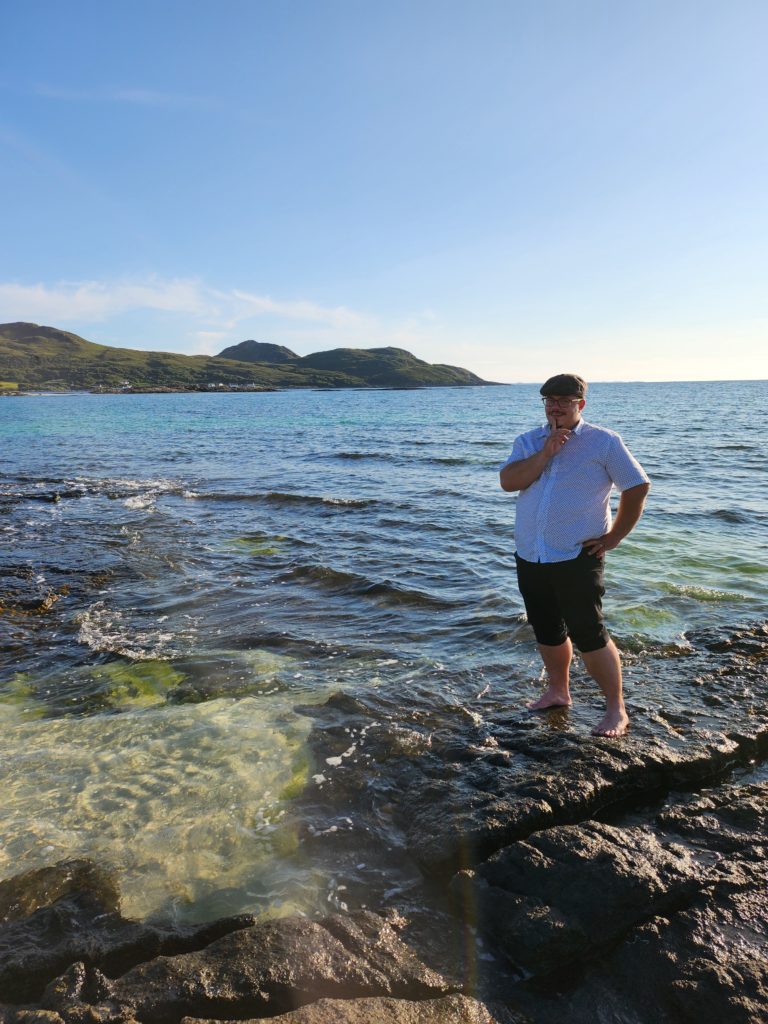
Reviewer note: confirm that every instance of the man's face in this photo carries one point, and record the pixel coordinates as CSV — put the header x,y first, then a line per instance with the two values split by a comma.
x,y
563,410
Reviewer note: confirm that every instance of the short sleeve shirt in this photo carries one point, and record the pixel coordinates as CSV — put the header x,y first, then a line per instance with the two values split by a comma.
x,y
569,503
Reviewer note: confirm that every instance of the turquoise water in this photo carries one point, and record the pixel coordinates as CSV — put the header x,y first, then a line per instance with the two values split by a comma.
x,y
180,572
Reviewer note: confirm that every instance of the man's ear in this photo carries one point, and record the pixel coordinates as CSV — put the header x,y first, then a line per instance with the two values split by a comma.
x,y
582,403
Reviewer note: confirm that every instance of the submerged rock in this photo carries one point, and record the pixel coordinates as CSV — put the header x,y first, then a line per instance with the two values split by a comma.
x,y
22,895
54,916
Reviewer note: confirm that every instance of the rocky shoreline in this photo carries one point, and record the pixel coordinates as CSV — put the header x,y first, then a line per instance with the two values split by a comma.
x,y
546,875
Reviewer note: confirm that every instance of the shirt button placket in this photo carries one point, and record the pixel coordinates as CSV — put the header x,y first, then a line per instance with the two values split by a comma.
x,y
543,514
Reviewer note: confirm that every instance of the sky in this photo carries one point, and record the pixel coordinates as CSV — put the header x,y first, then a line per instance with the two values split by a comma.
x,y
519,187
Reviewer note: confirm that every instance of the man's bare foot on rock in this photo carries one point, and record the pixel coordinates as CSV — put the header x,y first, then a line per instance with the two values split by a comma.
x,y
551,698
613,725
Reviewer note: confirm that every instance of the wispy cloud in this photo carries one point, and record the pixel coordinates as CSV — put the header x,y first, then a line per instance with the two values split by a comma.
x,y
335,316
195,318
92,301
217,311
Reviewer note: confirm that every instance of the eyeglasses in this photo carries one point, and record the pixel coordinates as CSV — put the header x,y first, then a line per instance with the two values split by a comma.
x,y
561,403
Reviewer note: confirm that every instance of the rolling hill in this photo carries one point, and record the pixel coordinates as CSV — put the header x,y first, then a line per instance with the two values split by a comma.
x,y
34,357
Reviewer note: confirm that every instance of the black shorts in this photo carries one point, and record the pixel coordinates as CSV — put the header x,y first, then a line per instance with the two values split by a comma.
x,y
565,599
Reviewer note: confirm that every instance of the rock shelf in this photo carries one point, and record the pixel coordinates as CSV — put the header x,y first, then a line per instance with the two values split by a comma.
x,y
548,875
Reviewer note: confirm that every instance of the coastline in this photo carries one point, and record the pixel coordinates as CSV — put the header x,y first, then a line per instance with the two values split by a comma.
x,y
273,664
634,883
245,389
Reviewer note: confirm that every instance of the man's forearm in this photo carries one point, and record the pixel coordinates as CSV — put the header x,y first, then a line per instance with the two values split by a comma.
x,y
630,509
519,475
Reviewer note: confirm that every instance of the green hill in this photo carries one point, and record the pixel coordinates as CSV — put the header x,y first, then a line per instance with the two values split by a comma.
x,y
375,367
388,368
258,352
34,357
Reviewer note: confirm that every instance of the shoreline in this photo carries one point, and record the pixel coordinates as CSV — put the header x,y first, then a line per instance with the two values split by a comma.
x,y
245,389
635,883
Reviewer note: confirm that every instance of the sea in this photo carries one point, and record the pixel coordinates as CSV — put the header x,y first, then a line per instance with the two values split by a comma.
x,y
184,576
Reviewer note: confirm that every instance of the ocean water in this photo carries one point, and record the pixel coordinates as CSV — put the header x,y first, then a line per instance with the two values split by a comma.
x,y
181,575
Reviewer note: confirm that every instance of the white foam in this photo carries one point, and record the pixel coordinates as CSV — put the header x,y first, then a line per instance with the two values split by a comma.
x,y
105,629
140,501
334,762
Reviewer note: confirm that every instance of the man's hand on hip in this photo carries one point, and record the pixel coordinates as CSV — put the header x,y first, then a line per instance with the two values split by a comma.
x,y
629,511
599,545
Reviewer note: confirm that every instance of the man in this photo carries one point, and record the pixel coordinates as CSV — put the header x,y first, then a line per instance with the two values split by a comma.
x,y
564,472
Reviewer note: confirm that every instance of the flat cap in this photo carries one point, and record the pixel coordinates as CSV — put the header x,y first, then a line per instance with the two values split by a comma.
x,y
565,384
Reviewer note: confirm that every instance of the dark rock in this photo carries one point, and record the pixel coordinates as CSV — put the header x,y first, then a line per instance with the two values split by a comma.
x,y
659,916
572,890
270,968
464,781
750,641
731,820
706,965
23,894
16,1016
697,954
455,1009
55,916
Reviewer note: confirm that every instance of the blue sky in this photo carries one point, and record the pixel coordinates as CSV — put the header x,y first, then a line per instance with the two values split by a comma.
x,y
515,187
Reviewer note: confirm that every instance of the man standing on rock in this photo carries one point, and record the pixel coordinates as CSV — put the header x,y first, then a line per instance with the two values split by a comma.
x,y
564,472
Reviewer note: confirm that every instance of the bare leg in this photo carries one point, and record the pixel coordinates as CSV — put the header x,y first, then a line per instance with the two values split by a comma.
x,y
605,668
557,662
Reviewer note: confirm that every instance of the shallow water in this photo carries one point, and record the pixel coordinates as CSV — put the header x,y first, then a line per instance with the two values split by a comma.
x,y
179,573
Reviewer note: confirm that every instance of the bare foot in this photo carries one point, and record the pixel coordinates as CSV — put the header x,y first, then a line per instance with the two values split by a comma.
x,y
551,698
613,725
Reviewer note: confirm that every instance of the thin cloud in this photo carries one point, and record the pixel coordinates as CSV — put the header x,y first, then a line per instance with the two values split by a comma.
x,y
197,319
334,316
93,301
220,311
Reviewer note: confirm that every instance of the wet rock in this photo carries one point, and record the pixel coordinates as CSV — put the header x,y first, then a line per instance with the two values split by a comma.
x,y
456,1009
21,895
572,890
698,954
8,1015
464,780
729,820
751,641
270,968
706,965
57,915
656,917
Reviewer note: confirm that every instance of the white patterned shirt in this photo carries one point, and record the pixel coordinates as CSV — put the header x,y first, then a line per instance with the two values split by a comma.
x,y
569,503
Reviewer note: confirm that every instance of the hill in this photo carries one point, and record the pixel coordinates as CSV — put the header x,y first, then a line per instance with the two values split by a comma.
x,y
374,367
258,352
388,368
33,357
